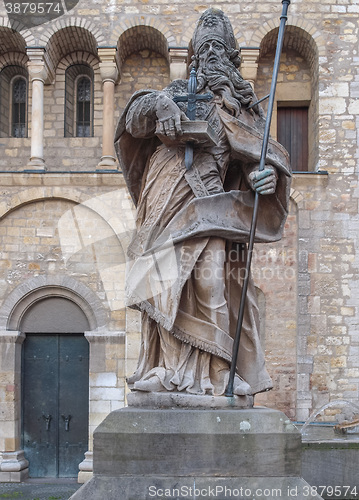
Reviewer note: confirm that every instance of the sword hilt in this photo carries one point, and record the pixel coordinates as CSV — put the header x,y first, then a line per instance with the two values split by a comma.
x,y
191,98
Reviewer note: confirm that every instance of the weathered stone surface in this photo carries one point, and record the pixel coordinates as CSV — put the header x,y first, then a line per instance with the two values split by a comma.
x,y
142,452
188,401
258,442
332,464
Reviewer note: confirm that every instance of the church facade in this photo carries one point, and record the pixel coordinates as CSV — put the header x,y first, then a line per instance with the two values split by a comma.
x,y
67,341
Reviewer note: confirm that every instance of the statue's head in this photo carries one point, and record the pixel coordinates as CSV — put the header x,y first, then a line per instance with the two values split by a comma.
x,y
216,61
214,29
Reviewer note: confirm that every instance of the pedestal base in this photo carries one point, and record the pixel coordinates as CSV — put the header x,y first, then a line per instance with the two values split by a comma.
x,y
107,163
14,467
144,453
35,165
86,468
140,399
195,488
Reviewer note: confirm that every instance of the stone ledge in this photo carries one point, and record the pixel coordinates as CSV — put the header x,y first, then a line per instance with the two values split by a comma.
x,y
93,178
309,179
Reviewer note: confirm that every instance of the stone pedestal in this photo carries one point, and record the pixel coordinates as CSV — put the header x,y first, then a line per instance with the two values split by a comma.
x,y
14,467
86,468
144,453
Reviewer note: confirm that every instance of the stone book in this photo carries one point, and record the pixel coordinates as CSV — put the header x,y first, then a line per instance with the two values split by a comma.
x,y
196,131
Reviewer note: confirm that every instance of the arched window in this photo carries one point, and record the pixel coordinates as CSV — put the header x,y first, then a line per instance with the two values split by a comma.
x,y
83,108
79,101
13,101
18,107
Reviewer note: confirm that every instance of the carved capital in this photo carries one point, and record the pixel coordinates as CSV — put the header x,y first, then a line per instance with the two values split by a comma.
x,y
37,65
108,64
178,62
249,63
109,72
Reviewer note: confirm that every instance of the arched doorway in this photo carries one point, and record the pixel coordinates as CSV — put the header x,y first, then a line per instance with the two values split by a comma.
x,y
55,387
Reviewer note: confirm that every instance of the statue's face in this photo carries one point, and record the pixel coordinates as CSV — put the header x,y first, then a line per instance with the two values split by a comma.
x,y
211,52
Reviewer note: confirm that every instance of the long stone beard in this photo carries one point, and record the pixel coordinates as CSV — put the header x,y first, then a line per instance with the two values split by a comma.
x,y
223,79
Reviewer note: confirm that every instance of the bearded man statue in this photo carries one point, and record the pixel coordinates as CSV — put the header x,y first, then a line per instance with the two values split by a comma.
x,y
187,256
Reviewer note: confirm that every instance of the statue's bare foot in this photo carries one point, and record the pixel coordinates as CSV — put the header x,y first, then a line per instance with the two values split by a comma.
x,y
241,388
153,384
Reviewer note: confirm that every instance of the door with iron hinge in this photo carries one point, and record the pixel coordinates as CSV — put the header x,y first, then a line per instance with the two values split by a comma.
x,y
55,395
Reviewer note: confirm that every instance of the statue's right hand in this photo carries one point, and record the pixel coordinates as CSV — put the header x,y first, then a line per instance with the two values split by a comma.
x,y
169,116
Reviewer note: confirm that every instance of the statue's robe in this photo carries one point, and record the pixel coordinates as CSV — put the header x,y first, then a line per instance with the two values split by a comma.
x,y
186,346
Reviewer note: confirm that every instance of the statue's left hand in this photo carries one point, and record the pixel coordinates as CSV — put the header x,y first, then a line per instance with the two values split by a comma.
x,y
263,181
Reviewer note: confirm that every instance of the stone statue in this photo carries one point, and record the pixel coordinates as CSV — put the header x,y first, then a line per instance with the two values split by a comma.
x,y
188,253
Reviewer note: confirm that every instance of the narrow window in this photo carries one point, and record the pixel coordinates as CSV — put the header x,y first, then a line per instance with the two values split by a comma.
x,y
83,111
18,111
292,133
79,101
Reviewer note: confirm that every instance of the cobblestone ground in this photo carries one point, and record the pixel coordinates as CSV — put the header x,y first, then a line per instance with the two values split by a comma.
x,y
39,490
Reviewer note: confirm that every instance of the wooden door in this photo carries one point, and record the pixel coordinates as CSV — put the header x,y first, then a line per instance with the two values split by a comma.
x,y
292,133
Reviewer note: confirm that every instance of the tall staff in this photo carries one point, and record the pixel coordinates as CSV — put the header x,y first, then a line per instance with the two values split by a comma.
x,y
283,19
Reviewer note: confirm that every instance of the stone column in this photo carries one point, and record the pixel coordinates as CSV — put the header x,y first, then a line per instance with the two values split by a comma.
x,y
178,62
13,465
38,73
107,385
109,74
249,64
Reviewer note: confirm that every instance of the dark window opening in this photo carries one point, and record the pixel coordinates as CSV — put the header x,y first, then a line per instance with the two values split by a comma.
x,y
83,117
79,105
18,121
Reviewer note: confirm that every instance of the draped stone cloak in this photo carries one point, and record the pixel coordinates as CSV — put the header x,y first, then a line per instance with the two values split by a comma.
x,y
174,229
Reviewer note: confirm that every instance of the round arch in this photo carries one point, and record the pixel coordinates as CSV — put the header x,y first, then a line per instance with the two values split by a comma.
x,y
139,38
101,205
78,22
54,314
310,32
11,41
38,288
147,22
37,194
68,40
17,29
78,57
14,59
